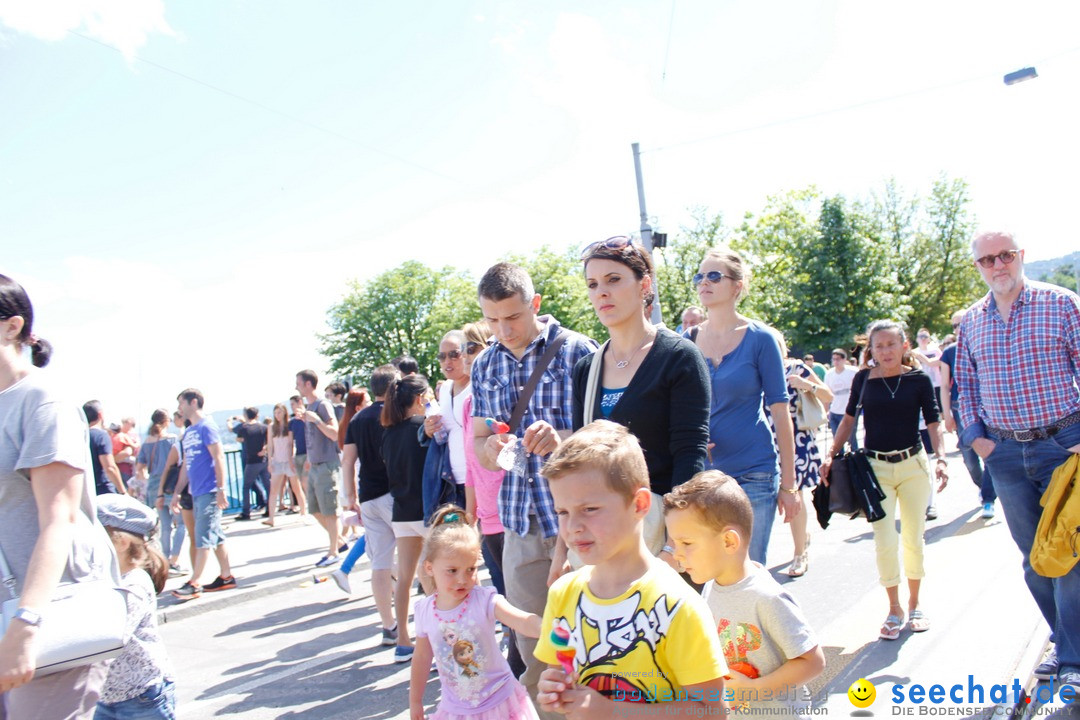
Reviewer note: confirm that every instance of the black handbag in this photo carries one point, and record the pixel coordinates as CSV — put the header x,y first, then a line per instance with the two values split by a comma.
x,y
853,487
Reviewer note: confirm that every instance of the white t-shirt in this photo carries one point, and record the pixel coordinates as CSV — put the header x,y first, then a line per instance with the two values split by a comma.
x,y
840,384
453,419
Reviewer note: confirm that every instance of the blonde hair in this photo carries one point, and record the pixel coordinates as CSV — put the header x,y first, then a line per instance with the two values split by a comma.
x,y
449,531
606,447
718,500
735,265
477,332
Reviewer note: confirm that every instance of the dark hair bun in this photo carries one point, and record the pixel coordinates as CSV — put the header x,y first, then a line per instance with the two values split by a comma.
x,y
40,352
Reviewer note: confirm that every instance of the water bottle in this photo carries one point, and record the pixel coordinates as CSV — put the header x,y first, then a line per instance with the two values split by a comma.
x,y
432,408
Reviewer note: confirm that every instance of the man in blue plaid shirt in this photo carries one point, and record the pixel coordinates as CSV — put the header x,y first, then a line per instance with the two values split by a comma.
x,y
532,554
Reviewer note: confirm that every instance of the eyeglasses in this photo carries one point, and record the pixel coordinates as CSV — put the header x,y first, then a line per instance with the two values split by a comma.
x,y
473,347
713,276
1005,256
453,355
923,336
617,242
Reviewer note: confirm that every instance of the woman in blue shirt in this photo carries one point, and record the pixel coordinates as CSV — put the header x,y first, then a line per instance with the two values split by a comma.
x,y
746,371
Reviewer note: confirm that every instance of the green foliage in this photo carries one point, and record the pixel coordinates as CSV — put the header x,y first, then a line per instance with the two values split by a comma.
x,y
677,263
945,280
404,310
1066,276
560,280
822,269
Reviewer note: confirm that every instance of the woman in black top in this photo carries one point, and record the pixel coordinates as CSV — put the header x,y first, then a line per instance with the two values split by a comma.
x,y
652,381
403,418
895,394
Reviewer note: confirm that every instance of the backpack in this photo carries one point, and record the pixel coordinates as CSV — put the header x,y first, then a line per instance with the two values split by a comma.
x,y
1055,549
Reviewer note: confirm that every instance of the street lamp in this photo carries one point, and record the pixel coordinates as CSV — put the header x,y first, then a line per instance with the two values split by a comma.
x,y
1020,76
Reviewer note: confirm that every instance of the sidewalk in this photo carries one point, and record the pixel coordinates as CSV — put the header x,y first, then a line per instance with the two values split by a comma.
x,y
264,560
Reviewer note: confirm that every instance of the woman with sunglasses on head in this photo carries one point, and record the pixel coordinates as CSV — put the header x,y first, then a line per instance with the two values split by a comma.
x,y
895,394
746,370
649,379
49,531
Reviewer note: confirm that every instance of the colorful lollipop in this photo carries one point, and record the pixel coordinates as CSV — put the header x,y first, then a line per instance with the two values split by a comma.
x,y
560,638
497,427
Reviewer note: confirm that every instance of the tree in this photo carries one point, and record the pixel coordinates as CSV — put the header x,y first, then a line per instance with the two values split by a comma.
x,y
404,310
946,280
1066,276
844,280
560,280
774,244
676,264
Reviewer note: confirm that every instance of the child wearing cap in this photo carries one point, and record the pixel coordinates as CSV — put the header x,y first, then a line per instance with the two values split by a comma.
x,y
140,680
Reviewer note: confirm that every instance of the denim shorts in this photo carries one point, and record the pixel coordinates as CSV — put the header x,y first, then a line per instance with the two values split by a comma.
x,y
208,532
155,703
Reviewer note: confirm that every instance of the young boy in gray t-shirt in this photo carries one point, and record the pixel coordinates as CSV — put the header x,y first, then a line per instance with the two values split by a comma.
x,y
770,649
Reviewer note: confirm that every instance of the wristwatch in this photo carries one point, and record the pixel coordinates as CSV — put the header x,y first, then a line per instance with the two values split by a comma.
x,y
28,616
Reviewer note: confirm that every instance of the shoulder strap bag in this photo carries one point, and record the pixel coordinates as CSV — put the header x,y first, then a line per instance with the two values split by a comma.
x,y
534,379
843,496
593,383
65,639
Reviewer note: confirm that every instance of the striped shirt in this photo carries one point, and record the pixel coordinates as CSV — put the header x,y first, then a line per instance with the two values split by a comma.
x,y
497,379
1021,374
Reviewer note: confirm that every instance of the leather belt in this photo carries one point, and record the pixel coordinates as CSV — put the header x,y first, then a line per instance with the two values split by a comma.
x,y
1035,433
896,455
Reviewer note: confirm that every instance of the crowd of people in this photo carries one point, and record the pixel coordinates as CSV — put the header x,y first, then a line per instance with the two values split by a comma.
x,y
587,478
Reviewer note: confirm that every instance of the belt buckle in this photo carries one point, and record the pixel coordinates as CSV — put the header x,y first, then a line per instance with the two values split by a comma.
x,y
1025,435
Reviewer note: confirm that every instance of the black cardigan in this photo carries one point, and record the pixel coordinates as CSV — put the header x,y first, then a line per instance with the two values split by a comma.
x,y
666,405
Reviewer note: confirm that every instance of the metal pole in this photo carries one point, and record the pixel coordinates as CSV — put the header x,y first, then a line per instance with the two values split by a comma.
x,y
646,233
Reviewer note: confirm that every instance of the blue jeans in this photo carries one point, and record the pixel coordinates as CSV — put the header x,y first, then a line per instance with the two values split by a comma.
x,y
252,481
834,422
172,539
980,475
762,489
1022,471
156,703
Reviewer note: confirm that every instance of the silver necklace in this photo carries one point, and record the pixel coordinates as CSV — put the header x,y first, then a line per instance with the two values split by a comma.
x,y
892,393
623,363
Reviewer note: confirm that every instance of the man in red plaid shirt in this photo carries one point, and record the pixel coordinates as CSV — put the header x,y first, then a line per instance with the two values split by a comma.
x,y
1018,369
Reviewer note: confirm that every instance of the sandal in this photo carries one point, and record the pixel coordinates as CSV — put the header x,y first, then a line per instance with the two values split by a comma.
x,y
799,566
918,622
890,630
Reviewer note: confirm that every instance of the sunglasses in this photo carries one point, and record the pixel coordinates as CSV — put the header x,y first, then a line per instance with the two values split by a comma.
x,y
713,276
473,347
618,242
453,355
1005,256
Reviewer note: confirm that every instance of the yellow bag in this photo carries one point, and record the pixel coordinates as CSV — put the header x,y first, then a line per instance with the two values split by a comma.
x,y
1055,549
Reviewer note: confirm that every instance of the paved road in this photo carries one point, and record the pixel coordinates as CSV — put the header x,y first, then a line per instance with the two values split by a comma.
x,y
277,649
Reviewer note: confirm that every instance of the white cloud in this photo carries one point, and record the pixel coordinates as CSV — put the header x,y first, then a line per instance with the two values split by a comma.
x,y
123,24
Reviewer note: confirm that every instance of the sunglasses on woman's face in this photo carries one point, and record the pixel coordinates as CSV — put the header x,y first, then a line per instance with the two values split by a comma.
x,y
1005,256
713,276
473,347
452,355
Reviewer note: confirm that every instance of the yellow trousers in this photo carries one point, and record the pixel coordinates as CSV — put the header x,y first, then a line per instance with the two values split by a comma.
x,y
906,483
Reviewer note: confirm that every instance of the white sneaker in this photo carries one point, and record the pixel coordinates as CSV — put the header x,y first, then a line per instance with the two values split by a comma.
x,y
342,581
988,511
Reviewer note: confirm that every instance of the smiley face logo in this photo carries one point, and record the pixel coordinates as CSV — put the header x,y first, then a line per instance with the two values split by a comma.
x,y
861,693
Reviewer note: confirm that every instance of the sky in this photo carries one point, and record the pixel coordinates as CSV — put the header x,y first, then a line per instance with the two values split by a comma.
x,y
187,187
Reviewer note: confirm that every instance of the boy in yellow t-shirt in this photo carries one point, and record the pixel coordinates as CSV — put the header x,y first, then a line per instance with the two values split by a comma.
x,y
639,633
770,649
